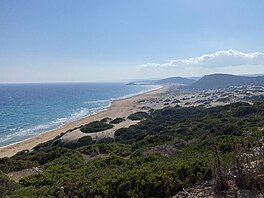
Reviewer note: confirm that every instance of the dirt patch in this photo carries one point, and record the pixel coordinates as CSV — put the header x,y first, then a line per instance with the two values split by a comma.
x,y
17,175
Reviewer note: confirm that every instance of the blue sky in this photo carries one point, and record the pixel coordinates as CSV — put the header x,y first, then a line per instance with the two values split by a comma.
x,y
103,40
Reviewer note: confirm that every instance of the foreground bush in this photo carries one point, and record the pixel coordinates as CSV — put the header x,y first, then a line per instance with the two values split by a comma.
x,y
167,151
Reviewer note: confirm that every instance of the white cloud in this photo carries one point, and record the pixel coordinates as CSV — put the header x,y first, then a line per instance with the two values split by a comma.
x,y
221,61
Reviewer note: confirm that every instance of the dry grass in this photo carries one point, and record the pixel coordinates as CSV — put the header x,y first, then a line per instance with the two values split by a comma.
x,y
249,165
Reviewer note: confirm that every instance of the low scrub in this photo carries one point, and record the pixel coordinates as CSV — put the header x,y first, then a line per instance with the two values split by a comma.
x,y
95,126
138,116
117,120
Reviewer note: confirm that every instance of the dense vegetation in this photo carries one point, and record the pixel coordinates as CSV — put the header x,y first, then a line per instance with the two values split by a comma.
x,y
169,149
95,126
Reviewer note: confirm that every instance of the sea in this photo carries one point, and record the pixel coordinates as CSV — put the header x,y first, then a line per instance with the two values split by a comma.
x,y
27,110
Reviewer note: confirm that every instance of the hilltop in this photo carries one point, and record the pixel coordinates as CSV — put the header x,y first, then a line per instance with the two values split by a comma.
x,y
176,80
216,81
212,81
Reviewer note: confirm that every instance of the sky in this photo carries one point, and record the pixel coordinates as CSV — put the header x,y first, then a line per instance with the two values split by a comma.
x,y
113,40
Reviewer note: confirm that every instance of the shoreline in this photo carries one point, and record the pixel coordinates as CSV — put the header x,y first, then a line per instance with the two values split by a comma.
x,y
102,108
118,108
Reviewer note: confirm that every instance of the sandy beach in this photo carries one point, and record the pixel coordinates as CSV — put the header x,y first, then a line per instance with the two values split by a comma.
x,y
156,99
118,108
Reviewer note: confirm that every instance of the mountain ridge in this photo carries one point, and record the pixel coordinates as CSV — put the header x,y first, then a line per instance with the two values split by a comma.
x,y
216,81
171,80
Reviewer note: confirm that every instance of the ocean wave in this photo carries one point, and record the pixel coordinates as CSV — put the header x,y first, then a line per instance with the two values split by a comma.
x,y
29,132
15,134
122,97
12,129
96,101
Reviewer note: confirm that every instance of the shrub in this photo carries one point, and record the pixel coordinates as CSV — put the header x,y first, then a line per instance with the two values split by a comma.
x,y
95,126
6,185
83,141
107,119
117,120
10,164
106,140
138,116
72,159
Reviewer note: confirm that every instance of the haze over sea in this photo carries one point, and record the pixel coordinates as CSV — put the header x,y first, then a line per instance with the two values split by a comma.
x,y
27,110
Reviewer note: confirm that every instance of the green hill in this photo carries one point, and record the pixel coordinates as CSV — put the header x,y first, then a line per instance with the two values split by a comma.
x,y
216,81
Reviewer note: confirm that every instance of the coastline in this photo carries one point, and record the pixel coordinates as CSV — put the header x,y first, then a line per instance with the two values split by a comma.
x,y
118,108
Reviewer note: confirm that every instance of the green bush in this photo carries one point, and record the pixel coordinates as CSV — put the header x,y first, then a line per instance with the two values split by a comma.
x,y
137,163
138,116
95,126
6,185
10,164
117,121
106,140
107,119
83,141
71,159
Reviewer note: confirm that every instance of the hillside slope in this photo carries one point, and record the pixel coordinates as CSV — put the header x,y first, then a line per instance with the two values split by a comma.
x,y
176,80
216,81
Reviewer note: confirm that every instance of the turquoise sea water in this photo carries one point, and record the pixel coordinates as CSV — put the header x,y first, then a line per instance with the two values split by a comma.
x,y
30,109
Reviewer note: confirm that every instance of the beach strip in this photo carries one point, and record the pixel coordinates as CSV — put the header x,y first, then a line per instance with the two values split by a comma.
x,y
118,108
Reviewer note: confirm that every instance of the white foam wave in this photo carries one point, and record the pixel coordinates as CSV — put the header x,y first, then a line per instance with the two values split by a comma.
x,y
12,129
96,101
28,132
123,97
81,113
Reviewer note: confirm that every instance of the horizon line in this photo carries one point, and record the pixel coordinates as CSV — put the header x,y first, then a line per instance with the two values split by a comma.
x,y
127,80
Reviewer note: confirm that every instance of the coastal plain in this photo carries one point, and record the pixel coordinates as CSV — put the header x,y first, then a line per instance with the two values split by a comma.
x,y
118,108
168,95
